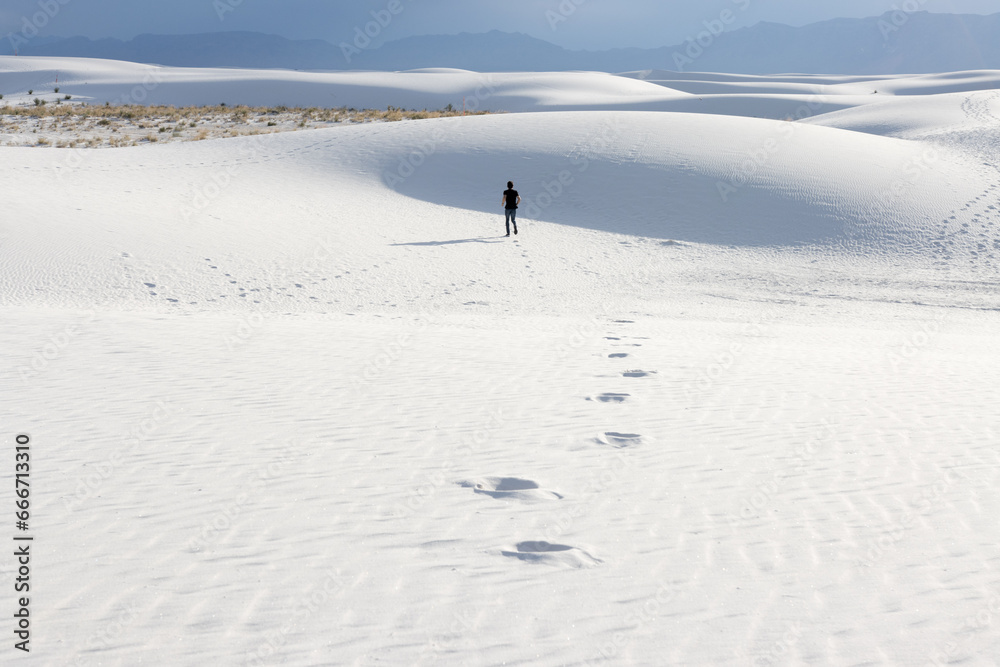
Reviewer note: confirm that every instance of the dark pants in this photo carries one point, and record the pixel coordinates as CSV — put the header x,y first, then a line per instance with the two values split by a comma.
x,y
511,215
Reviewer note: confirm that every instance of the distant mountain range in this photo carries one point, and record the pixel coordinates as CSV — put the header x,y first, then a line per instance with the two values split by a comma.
x,y
895,43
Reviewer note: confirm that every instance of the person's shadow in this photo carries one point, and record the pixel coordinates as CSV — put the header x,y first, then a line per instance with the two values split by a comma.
x,y
481,239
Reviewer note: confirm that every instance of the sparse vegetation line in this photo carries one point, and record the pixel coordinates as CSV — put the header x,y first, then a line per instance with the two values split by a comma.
x,y
95,126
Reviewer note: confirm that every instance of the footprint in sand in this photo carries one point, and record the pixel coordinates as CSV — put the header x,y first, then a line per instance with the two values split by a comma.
x,y
551,554
512,488
638,374
619,440
609,397
618,355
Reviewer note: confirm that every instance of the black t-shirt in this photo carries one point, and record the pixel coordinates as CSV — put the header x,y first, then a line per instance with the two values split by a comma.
x,y
511,196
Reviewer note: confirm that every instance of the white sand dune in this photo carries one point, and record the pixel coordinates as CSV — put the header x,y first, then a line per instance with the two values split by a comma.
x,y
922,118
98,81
701,83
727,398
800,96
779,97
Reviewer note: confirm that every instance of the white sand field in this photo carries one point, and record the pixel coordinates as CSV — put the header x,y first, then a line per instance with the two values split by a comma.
x,y
729,397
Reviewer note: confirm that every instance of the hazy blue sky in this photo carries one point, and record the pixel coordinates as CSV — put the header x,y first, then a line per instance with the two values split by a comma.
x,y
588,24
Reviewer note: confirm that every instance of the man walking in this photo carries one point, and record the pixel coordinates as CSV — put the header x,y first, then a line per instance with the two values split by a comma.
x,y
510,201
